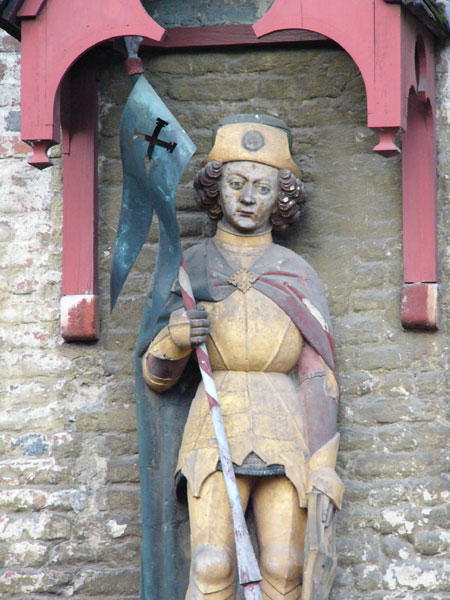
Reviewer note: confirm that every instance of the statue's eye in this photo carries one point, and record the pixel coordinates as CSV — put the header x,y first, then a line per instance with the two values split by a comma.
x,y
236,185
264,189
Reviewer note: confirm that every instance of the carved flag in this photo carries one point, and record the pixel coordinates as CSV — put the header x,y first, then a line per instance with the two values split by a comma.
x,y
155,151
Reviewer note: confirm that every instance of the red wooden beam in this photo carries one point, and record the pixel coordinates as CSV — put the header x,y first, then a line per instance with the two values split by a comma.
x,y
79,304
31,9
420,300
229,35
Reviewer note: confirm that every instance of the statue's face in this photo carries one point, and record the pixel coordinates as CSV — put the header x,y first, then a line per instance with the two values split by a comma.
x,y
248,195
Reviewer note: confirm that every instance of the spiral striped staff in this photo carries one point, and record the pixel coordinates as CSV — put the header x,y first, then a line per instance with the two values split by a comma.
x,y
249,573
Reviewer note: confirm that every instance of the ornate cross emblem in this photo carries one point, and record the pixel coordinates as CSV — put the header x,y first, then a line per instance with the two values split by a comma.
x,y
153,139
243,280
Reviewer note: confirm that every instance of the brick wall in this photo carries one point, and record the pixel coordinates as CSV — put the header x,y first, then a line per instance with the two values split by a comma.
x,y
69,500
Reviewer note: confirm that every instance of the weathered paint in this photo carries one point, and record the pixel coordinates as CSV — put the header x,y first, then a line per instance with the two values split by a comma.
x,y
80,317
420,306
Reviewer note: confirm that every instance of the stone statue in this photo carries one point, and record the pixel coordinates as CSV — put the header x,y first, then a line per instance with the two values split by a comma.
x,y
264,317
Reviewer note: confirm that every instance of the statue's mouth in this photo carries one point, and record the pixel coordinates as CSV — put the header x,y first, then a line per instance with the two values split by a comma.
x,y
246,213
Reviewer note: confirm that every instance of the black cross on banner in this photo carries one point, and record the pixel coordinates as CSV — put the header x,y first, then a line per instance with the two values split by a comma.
x,y
153,139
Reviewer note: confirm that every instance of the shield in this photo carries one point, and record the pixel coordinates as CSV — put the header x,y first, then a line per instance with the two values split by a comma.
x,y
320,551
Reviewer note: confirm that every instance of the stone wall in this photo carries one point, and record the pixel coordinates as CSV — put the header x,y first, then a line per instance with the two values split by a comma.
x,y
69,500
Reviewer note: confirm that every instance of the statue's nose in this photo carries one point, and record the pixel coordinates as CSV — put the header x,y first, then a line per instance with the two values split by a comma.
x,y
247,195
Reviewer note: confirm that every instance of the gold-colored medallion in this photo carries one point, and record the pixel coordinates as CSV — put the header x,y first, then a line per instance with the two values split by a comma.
x,y
243,280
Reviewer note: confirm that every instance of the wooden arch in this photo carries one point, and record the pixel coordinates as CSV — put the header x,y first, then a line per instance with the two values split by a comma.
x,y
395,55
393,50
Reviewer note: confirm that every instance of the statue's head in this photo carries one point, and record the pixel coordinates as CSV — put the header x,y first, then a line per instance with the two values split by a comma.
x,y
249,179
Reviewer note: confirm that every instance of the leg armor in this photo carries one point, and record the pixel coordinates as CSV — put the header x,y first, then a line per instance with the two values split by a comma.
x,y
281,525
213,563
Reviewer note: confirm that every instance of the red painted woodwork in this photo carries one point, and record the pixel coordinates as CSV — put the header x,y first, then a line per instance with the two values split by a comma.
x,y
80,318
31,9
420,308
52,41
80,127
80,180
229,35
395,55
419,194
50,51
393,51
374,45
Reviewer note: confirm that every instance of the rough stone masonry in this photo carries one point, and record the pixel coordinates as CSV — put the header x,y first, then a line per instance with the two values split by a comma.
x,y
69,493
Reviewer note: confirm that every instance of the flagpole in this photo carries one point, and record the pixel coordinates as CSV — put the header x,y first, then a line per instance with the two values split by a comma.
x,y
249,573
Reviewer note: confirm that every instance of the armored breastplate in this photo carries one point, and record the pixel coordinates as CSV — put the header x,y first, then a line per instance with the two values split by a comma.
x,y
249,332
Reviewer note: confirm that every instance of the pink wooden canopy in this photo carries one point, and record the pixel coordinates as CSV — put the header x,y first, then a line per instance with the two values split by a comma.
x,y
392,49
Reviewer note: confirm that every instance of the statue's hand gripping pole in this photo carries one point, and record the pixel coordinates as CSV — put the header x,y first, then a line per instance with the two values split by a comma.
x,y
249,573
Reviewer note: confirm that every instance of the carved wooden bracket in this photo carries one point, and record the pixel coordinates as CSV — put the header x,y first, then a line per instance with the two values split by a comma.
x,y
55,35
393,51
395,54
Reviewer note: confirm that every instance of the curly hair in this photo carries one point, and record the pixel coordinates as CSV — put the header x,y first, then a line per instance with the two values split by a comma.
x,y
290,203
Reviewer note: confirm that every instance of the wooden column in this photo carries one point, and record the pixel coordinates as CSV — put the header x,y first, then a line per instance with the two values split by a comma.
x,y
79,303
420,289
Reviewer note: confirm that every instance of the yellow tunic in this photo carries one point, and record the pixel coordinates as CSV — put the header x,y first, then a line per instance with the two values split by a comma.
x,y
253,345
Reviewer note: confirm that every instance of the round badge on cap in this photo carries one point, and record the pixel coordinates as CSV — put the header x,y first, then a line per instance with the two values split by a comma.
x,y
253,141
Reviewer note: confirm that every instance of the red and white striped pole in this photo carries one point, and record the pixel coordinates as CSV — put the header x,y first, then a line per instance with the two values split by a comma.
x,y
249,573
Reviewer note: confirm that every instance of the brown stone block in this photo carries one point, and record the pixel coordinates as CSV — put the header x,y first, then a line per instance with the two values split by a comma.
x,y
355,491
195,63
121,391
57,528
124,469
368,579
388,358
393,546
372,410
113,90
40,472
26,554
282,88
109,146
73,553
107,582
356,438
110,122
117,555
290,61
117,418
389,466
17,582
124,498
352,519
118,364
110,172
440,516
212,88
430,543
119,444
359,549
